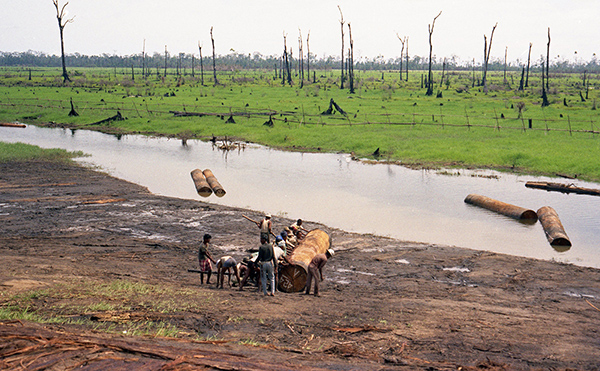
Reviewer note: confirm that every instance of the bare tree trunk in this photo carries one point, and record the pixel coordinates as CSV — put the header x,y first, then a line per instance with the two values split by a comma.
x,y
473,79
301,59
287,74
430,75
528,64
545,102
351,60
60,14
522,79
214,59
401,54
505,56
486,58
407,58
342,55
201,64
166,60
548,62
308,56
144,59
443,72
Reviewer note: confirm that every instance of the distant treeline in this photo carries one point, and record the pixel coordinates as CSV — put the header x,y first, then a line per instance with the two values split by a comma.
x,y
234,61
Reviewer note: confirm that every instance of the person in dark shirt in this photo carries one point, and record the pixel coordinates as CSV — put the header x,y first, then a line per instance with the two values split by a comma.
x,y
204,259
268,265
315,270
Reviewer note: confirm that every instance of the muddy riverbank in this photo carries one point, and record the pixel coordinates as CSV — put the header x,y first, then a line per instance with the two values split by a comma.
x,y
385,304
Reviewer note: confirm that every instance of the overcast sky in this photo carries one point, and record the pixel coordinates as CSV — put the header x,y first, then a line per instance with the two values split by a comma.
x,y
248,26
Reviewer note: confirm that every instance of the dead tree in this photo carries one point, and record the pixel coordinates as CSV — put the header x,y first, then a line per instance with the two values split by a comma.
x,y
486,57
548,62
287,74
545,102
505,56
62,22
308,55
342,55
528,64
166,60
401,53
351,60
301,57
406,58
430,75
201,64
212,40
144,59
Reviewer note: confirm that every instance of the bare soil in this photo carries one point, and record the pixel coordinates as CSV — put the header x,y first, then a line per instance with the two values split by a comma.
x,y
385,303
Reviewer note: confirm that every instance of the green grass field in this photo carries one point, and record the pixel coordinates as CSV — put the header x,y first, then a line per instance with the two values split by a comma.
x,y
464,127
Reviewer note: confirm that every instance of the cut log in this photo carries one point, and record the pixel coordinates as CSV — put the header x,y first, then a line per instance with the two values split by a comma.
x,y
564,188
553,228
214,183
201,184
293,276
12,125
500,207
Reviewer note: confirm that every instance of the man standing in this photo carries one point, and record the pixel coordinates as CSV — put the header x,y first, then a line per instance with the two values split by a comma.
x,y
315,270
204,259
268,265
265,227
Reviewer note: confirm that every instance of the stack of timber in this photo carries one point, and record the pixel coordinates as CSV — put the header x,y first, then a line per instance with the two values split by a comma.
x,y
564,188
206,183
553,228
500,207
293,276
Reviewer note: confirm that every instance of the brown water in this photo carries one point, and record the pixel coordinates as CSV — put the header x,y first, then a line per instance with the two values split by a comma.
x,y
387,200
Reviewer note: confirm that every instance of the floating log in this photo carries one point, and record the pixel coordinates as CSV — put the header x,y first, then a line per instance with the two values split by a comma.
x,y
293,276
201,184
564,188
503,208
12,125
214,183
554,229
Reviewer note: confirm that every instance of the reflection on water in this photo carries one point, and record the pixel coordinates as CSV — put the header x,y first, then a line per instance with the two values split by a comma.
x,y
383,199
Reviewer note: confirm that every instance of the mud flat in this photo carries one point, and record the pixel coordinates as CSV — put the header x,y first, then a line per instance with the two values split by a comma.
x,y
385,303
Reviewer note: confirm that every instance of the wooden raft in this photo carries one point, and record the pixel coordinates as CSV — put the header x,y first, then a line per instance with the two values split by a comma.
x,y
293,276
500,207
553,228
564,188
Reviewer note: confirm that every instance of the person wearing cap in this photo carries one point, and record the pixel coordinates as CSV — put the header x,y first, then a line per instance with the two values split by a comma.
x,y
204,259
315,270
265,227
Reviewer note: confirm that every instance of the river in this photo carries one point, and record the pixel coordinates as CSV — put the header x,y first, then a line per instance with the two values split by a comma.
x,y
383,199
